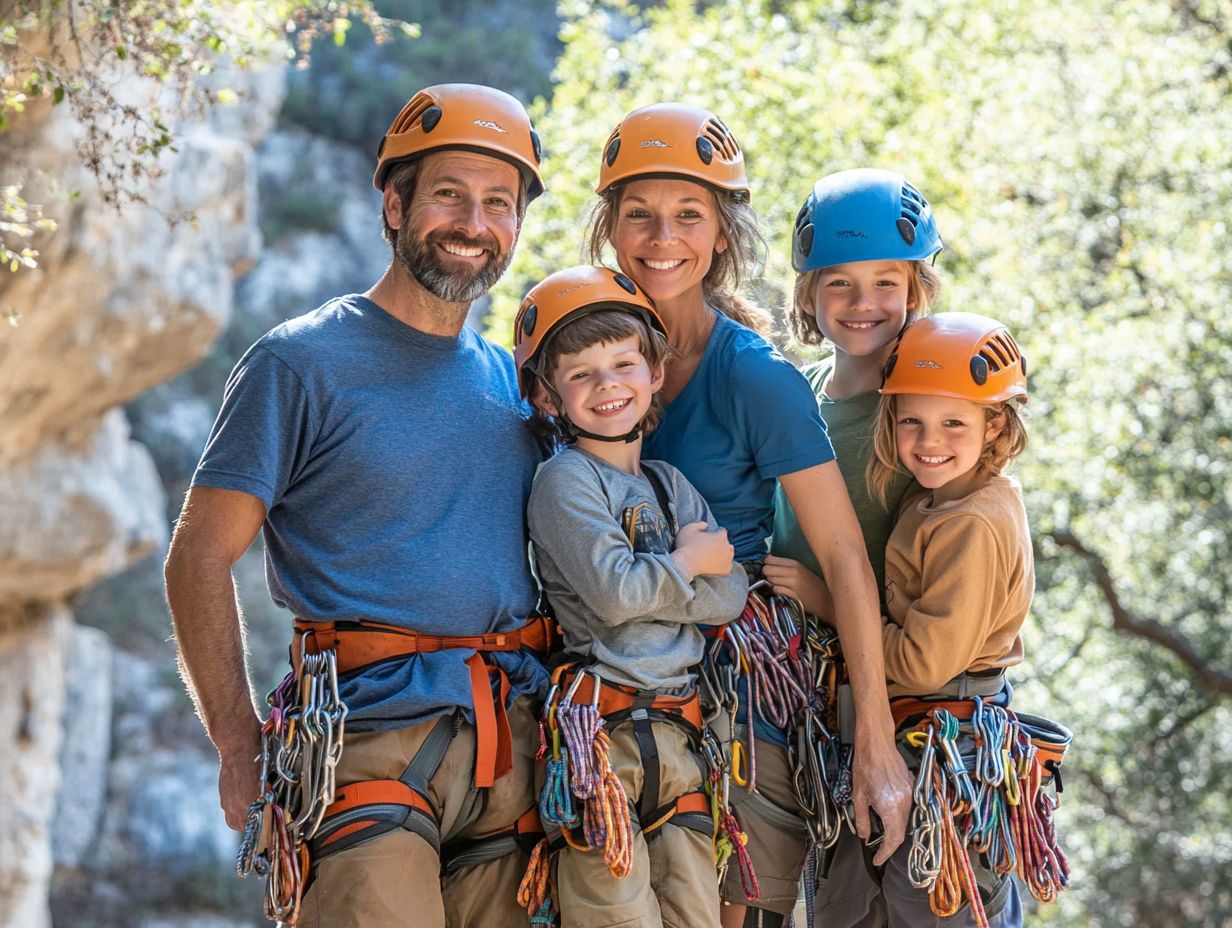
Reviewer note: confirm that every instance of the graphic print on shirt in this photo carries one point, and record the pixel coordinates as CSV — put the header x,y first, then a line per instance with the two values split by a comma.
x,y
647,529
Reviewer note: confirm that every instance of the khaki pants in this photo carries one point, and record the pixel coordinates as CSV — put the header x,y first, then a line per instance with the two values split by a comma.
x,y
850,898
778,838
394,880
673,882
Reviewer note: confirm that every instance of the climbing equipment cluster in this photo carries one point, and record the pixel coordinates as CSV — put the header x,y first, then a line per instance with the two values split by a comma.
x,y
982,787
301,742
301,816
785,668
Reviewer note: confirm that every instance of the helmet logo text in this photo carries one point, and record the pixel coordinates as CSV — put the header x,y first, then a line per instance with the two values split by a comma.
x,y
571,289
849,233
653,143
933,364
488,124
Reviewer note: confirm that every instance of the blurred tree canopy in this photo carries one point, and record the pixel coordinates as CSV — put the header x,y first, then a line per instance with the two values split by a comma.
x,y
352,91
1078,158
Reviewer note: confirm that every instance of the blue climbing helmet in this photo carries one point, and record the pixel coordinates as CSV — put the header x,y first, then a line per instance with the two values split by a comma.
x,y
866,214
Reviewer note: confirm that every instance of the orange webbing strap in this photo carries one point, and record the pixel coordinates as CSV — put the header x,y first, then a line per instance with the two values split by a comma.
x,y
359,644
692,811
617,700
493,739
365,807
905,708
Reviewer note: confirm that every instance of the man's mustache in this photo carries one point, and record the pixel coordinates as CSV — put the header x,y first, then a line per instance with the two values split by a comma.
x,y
486,242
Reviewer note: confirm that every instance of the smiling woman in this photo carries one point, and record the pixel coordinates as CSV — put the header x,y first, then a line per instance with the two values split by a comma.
x,y
675,208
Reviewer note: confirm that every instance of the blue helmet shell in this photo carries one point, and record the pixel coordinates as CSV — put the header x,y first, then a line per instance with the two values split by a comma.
x,y
863,215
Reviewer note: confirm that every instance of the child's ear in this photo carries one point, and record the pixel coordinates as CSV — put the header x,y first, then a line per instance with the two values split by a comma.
x,y
994,427
543,400
656,379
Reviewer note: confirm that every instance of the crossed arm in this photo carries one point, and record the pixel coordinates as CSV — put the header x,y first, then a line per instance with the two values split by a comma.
x,y
215,528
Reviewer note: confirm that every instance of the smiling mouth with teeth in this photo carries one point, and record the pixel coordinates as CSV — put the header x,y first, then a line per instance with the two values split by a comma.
x,y
612,405
860,325
659,265
464,251
933,459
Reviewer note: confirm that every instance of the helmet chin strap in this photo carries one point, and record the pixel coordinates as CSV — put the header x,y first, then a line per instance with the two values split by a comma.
x,y
575,433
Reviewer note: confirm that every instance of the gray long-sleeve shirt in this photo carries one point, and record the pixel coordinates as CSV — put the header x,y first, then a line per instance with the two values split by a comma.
x,y
602,551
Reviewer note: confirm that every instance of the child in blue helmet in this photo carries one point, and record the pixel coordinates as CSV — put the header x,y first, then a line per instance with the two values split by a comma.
x,y
862,249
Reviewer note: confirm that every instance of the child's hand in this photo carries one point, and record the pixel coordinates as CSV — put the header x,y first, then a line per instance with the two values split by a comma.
x,y
700,551
791,578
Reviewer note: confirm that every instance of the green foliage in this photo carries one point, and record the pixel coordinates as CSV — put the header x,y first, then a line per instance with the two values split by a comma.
x,y
84,53
351,93
1077,157
310,209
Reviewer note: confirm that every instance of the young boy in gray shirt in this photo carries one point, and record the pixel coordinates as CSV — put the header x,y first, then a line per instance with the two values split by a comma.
x,y
632,562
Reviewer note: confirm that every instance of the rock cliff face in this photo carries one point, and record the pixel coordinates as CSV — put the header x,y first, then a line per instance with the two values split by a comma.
x,y
119,303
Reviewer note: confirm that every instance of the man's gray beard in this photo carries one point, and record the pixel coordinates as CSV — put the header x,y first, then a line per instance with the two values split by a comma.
x,y
419,258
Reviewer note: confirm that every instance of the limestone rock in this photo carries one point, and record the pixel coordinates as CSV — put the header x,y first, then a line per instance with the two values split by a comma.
x,y
75,511
33,643
86,749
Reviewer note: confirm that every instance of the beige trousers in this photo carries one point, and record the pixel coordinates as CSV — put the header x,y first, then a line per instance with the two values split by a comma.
x,y
394,880
673,882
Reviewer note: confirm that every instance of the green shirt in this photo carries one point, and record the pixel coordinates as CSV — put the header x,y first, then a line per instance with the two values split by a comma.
x,y
850,424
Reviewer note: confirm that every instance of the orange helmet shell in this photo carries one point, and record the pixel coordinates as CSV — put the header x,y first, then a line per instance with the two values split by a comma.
x,y
673,140
463,117
963,355
565,296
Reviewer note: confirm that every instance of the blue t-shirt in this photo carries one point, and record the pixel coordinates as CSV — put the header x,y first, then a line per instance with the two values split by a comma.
x,y
745,418
394,466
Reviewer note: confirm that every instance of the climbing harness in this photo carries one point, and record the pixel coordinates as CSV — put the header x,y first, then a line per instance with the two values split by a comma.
x,y
301,817
981,787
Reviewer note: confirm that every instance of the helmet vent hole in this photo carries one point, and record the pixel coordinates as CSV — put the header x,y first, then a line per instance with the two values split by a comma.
x,y
613,149
722,139
803,215
536,145
412,114
906,228
529,318
804,239
625,283
979,370
992,359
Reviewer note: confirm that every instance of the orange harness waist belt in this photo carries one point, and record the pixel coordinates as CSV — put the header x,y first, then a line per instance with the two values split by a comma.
x,y
362,644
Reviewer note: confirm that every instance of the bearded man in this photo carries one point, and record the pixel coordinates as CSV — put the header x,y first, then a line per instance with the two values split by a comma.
x,y
379,444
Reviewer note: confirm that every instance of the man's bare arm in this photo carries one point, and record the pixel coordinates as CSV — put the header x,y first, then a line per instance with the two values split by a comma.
x,y
215,528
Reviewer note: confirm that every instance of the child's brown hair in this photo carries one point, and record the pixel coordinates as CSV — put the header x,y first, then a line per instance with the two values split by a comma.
x,y
602,326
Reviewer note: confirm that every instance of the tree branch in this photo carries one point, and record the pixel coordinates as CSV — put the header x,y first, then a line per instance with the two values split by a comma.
x,y
1124,620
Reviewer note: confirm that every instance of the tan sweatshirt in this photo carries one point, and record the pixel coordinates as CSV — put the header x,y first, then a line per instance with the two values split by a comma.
x,y
959,580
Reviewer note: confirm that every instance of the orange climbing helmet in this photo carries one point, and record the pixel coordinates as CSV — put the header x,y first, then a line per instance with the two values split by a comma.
x,y
563,297
463,117
964,355
673,140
